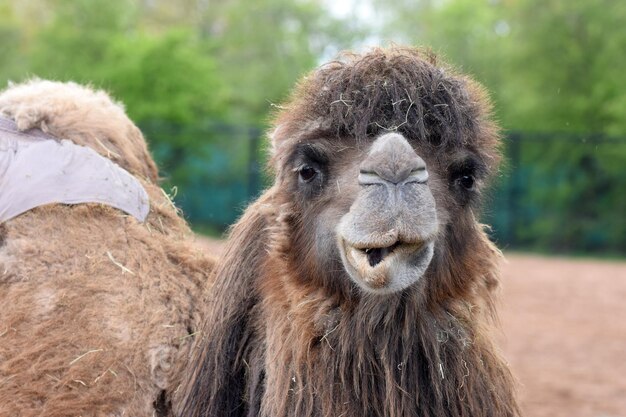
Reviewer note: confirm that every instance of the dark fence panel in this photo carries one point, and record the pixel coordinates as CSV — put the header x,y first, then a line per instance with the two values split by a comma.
x,y
561,193
557,193
212,168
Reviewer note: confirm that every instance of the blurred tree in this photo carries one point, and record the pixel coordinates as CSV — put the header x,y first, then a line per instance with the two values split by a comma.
x,y
261,48
264,46
180,68
11,38
165,76
569,55
551,66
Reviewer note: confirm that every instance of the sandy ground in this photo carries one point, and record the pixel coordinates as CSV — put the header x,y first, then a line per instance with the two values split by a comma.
x,y
564,334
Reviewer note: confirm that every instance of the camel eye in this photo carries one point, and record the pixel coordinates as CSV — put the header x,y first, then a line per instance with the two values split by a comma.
x,y
466,181
463,174
307,173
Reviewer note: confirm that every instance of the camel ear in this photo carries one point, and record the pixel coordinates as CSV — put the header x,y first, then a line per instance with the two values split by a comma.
x,y
275,137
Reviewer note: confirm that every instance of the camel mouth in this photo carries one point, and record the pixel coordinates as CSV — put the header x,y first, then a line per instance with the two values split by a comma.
x,y
376,255
388,268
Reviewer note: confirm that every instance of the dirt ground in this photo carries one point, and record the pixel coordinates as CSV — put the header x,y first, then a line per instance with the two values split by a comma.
x,y
564,322
564,333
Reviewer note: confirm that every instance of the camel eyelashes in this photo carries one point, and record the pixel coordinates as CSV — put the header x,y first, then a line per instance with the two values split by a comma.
x,y
313,154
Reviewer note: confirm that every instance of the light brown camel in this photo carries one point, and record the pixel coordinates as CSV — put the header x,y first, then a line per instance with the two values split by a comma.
x,y
97,309
361,283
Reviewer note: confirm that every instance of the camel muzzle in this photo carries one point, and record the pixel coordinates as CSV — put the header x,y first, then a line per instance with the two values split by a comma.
x,y
386,239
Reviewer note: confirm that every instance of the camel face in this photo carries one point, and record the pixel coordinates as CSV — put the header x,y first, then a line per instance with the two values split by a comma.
x,y
380,161
377,212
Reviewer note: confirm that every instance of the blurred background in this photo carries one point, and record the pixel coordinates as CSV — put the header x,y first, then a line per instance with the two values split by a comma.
x,y
201,78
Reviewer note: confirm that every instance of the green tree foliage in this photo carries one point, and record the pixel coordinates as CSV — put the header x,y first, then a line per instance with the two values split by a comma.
x,y
570,55
11,37
264,46
184,67
165,76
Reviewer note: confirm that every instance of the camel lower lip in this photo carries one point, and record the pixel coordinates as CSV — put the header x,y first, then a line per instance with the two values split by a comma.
x,y
373,264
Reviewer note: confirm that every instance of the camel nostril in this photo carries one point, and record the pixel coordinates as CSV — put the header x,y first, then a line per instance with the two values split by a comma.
x,y
419,175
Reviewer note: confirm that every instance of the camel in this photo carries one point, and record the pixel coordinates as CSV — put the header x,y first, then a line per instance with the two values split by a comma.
x,y
361,283
98,307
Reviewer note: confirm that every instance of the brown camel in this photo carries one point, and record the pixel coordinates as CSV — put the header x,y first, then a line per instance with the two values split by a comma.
x,y
97,308
361,283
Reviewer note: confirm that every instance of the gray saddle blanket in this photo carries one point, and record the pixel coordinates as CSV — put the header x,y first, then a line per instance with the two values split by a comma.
x,y
38,169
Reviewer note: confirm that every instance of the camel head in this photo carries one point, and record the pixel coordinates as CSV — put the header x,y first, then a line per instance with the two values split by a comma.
x,y
363,267
380,159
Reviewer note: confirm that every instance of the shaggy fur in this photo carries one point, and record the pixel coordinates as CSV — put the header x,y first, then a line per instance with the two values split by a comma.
x,y
288,334
97,310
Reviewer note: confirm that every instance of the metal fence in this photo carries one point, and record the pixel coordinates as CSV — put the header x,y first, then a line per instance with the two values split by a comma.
x,y
561,193
213,170
557,193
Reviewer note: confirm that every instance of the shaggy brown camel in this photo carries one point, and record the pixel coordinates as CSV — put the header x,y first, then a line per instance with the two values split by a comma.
x,y
97,308
361,283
